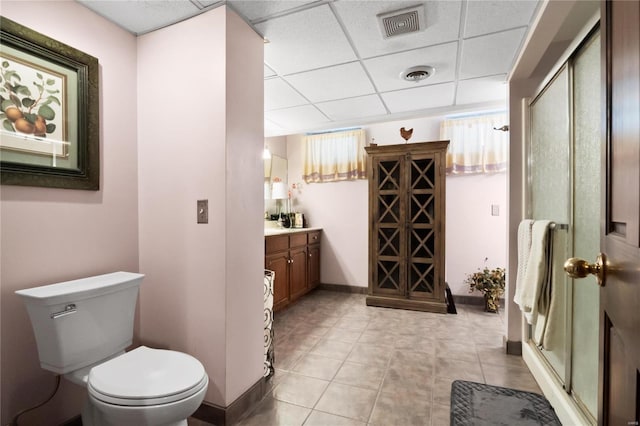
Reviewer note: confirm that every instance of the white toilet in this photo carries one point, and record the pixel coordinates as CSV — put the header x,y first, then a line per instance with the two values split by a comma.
x,y
82,328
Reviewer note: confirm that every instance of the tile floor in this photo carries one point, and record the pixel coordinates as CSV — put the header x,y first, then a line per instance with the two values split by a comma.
x,y
340,362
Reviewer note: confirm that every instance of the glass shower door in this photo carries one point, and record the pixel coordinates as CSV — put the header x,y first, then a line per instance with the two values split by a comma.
x,y
564,182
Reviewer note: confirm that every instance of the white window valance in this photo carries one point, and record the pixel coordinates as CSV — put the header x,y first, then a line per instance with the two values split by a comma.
x,y
475,146
335,156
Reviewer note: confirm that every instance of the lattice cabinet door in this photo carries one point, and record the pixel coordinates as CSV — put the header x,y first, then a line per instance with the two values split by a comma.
x,y
388,240
423,223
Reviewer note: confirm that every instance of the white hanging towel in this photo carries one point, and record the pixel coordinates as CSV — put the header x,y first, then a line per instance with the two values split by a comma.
x,y
548,331
524,250
536,271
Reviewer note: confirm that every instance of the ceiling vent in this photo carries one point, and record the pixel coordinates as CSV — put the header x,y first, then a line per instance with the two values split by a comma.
x,y
403,21
418,73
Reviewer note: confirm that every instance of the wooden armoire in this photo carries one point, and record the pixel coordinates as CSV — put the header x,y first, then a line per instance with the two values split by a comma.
x,y
407,225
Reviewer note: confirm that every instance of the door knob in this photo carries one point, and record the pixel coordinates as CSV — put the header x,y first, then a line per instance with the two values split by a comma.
x,y
580,268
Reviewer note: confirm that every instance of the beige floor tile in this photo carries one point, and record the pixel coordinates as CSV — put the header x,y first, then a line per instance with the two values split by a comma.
x,y
361,375
276,413
297,342
377,337
498,356
456,369
440,415
416,343
307,329
377,355
317,366
442,391
343,335
286,359
456,350
276,378
347,401
318,418
332,349
300,390
393,409
510,377
352,323
407,381
415,359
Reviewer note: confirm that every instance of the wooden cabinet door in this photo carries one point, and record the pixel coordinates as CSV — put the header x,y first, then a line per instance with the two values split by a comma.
x,y
279,263
314,266
388,240
298,270
425,211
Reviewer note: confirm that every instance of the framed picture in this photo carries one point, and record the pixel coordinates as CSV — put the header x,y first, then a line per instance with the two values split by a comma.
x,y
49,112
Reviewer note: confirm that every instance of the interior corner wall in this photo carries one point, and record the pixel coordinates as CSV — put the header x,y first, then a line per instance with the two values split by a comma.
x,y
51,235
201,138
181,142
244,207
342,210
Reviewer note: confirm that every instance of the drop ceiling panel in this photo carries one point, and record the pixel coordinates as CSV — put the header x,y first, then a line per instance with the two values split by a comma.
x,y
278,94
491,16
385,70
490,54
142,16
305,40
296,117
480,90
420,98
341,81
254,10
361,22
347,109
268,72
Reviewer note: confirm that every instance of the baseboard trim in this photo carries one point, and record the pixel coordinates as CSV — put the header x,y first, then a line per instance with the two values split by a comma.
x,y
222,416
514,348
461,299
342,288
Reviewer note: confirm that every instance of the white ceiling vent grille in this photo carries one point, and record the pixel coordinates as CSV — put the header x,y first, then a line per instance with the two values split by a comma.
x,y
402,21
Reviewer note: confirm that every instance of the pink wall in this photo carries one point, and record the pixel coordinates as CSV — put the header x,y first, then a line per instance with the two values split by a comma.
x,y
244,202
201,137
51,235
341,209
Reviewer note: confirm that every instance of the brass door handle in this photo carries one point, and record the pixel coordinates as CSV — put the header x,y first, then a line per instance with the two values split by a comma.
x,y
580,268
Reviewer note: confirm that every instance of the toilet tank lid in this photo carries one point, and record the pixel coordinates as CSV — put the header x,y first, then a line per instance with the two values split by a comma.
x,y
82,288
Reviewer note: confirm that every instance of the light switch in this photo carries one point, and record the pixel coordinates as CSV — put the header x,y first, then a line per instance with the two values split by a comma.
x,y
495,210
203,211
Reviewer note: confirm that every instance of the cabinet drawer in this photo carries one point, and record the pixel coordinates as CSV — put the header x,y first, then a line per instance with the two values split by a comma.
x,y
314,237
297,240
276,243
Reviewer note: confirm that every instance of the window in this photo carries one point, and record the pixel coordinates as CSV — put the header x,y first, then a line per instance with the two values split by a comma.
x,y
476,147
335,156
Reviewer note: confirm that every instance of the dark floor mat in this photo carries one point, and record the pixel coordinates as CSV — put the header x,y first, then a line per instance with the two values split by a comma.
x,y
478,404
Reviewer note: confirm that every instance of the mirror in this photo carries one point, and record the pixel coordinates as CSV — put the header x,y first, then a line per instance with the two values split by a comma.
x,y
274,167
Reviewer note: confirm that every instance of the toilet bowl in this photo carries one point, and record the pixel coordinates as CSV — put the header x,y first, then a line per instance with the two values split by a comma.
x,y
82,328
143,387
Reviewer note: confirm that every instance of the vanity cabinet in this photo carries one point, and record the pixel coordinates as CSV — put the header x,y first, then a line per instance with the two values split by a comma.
x,y
406,226
295,259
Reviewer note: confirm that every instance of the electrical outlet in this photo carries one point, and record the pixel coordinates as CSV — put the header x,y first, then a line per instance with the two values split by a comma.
x,y
203,211
495,210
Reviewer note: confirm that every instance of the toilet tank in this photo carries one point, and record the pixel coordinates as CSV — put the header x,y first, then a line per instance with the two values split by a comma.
x,y
80,322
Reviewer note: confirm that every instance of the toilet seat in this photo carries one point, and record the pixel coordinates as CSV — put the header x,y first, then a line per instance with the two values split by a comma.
x,y
146,376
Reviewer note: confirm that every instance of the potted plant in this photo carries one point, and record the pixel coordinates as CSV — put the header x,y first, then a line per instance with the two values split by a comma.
x,y
491,283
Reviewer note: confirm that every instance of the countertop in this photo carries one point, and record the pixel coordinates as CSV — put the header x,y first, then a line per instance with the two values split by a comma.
x,y
282,231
